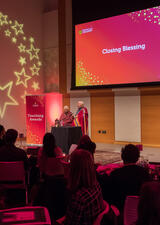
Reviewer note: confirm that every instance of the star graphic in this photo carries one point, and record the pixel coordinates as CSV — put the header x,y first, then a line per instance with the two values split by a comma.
x,y
39,63
22,60
3,19
22,48
22,78
24,96
14,40
24,38
7,33
18,28
35,70
35,86
6,92
31,39
33,52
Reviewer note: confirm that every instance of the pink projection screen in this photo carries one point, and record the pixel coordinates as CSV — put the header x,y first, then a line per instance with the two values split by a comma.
x,y
119,50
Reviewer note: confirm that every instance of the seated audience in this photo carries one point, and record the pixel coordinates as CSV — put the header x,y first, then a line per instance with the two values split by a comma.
x,y
2,135
9,152
52,191
86,201
149,204
49,157
128,179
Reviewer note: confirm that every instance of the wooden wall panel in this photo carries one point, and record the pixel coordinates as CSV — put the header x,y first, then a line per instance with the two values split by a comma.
x,y
102,118
150,119
66,100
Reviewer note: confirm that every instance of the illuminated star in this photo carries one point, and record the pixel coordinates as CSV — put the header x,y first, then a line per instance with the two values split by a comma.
x,y
22,78
35,70
5,91
24,38
35,86
31,39
18,28
24,96
14,40
39,63
22,60
22,48
33,52
7,33
10,22
3,19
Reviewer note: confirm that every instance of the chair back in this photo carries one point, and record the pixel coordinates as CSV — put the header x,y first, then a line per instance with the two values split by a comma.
x,y
130,210
72,148
12,174
25,215
100,216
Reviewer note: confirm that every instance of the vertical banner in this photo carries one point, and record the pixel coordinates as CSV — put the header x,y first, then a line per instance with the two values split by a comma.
x,y
35,119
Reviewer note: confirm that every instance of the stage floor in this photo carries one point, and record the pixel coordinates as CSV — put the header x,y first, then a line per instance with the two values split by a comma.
x,y
110,153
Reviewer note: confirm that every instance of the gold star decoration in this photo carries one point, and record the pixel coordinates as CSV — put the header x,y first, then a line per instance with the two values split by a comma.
x,y
5,92
31,39
18,28
39,63
22,60
33,52
14,40
35,70
3,19
24,38
22,78
24,96
22,48
35,86
7,33
10,22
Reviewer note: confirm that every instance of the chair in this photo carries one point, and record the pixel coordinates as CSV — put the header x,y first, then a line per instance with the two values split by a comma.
x,y
100,216
25,215
13,176
130,210
72,148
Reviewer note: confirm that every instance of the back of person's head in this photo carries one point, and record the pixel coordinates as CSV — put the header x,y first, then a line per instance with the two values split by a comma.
x,y
82,170
149,204
130,154
49,145
2,131
86,144
11,136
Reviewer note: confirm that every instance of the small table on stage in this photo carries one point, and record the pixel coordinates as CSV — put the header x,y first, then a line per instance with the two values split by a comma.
x,y
66,136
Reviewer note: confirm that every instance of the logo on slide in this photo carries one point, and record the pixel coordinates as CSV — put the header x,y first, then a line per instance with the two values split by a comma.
x,y
86,30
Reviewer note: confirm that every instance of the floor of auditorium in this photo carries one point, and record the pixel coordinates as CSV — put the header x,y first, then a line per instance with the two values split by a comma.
x,y
110,153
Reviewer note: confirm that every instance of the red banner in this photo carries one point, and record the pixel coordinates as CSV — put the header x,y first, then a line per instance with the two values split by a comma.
x,y
35,119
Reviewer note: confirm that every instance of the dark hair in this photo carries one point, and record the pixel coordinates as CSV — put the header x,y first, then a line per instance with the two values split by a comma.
x,y
85,143
130,154
11,136
1,129
49,144
82,170
149,204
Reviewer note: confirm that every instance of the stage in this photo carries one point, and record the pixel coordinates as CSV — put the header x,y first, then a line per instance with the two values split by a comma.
x,y
110,153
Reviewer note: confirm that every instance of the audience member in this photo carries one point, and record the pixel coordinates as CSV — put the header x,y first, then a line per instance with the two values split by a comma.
x,y
9,152
149,204
128,179
2,135
86,144
86,200
50,156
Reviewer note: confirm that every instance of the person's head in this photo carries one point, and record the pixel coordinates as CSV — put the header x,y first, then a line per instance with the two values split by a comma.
x,y
82,170
80,104
149,204
49,145
86,144
66,109
130,154
2,131
11,136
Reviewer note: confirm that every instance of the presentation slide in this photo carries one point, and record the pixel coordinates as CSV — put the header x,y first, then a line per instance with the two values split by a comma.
x,y
122,49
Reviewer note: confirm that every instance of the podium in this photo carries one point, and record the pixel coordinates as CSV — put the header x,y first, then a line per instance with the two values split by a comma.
x,y
66,136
